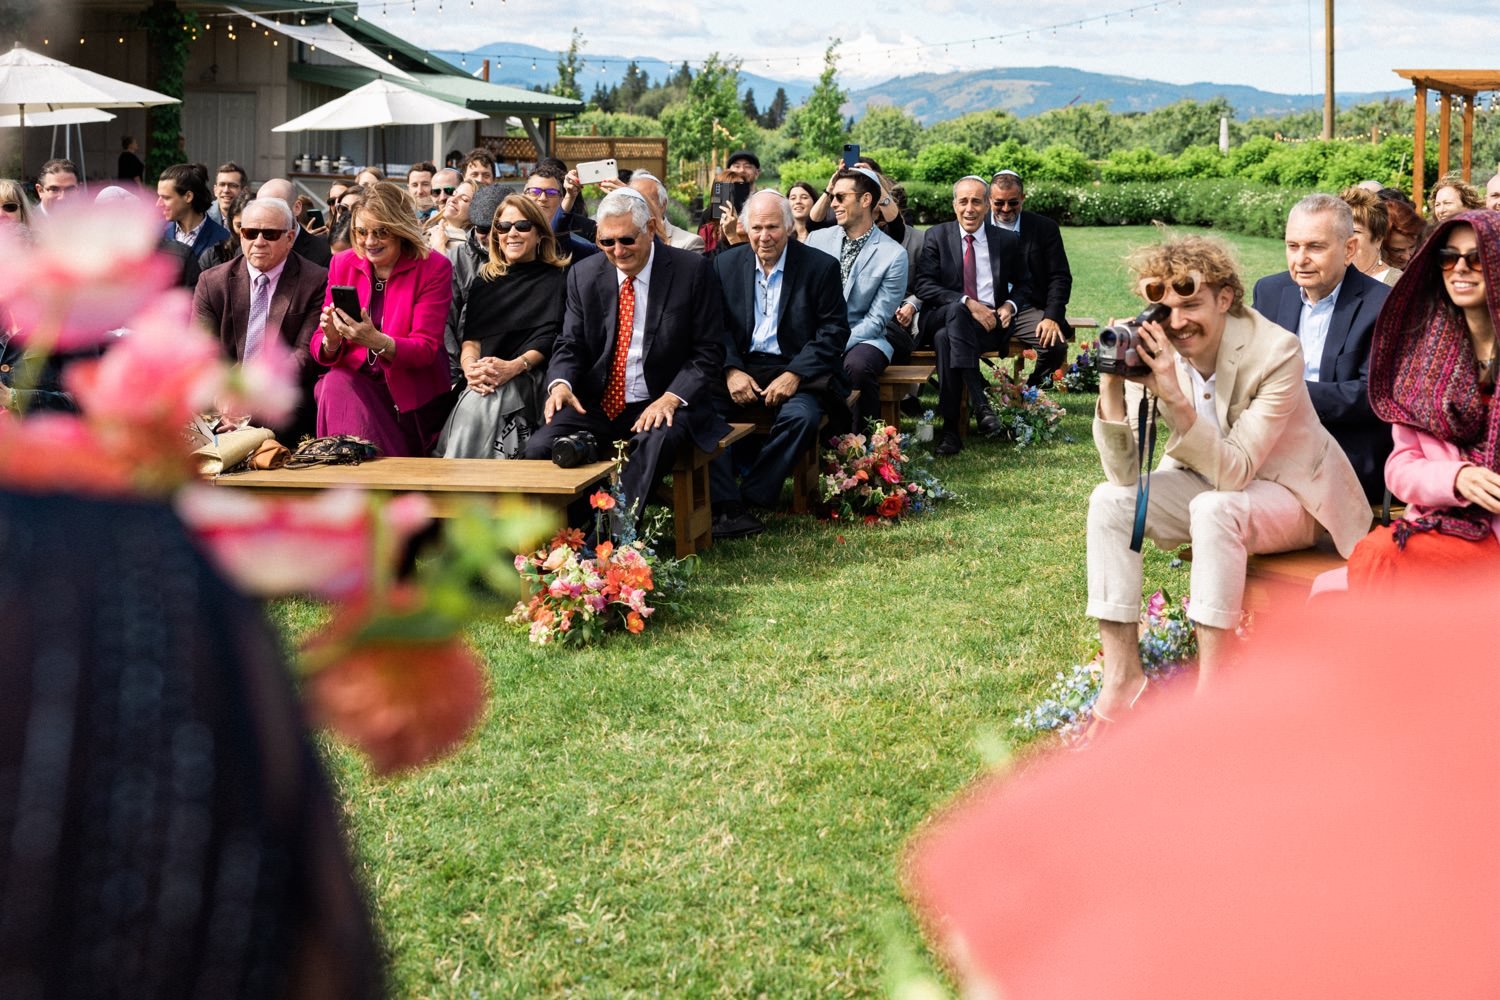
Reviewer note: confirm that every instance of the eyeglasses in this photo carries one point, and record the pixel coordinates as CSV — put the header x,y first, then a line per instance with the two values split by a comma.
x,y
526,226
541,192
380,233
11,206
1448,258
1008,202
607,241
1155,289
447,191
251,233
58,189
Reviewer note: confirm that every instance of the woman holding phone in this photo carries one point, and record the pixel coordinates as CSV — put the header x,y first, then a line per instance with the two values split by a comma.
x,y
388,369
513,315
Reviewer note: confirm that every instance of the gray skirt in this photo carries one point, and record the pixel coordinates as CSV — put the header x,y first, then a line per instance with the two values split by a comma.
x,y
496,425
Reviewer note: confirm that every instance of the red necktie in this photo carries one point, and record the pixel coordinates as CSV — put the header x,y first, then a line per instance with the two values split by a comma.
x,y
614,392
971,269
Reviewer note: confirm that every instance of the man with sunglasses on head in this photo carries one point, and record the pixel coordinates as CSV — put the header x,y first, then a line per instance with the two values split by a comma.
x,y
307,245
641,350
1247,468
1042,322
1331,306
266,292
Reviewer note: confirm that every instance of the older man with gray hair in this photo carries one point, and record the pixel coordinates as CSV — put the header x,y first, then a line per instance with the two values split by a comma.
x,y
655,192
1331,306
641,349
307,245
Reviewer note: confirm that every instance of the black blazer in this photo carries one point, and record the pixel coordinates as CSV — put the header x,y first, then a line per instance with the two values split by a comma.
x,y
940,267
313,248
1047,267
812,319
1341,394
684,333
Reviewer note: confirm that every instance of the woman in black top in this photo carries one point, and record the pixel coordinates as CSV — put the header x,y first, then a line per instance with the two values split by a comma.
x,y
131,167
513,315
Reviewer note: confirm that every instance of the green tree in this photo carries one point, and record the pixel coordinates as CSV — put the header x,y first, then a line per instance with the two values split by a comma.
x,y
775,113
633,87
977,130
1172,129
1088,128
820,122
683,76
886,126
603,100
711,116
748,105
569,65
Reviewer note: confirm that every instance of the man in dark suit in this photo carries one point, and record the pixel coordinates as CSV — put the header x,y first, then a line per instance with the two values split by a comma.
x,y
1331,307
970,277
1042,323
266,292
307,246
786,327
641,349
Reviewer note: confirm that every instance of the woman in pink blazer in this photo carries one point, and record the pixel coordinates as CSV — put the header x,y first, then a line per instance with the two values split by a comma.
x,y
1432,376
388,369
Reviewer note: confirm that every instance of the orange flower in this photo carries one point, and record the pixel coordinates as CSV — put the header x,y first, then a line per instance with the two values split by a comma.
x,y
602,501
634,622
603,552
861,475
571,538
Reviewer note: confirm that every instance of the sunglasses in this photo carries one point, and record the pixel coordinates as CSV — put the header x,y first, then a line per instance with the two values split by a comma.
x,y
11,206
526,226
446,191
1156,289
540,192
607,242
1008,202
251,233
1448,258
379,232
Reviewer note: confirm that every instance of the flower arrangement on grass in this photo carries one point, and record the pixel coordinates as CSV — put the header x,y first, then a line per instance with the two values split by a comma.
x,y
871,478
1168,645
576,595
1083,374
1027,414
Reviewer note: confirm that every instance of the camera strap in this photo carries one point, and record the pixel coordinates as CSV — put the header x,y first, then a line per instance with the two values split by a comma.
x,y
1146,445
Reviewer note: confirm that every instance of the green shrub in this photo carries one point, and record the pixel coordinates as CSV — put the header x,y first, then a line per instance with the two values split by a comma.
x,y
815,172
929,202
1201,161
1010,155
1230,204
1248,154
1136,165
944,163
897,164
1061,164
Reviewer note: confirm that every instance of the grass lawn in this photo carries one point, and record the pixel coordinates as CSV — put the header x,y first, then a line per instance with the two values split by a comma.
x,y
719,806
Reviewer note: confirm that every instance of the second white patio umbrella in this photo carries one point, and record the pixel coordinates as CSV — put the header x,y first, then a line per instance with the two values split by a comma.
x,y
375,105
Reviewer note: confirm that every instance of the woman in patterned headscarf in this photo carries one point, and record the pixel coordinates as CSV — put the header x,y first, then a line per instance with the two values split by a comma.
x,y
1432,376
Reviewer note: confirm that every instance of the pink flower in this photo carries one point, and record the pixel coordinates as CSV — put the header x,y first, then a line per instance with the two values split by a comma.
x,y
59,452
1156,606
89,268
888,473
556,558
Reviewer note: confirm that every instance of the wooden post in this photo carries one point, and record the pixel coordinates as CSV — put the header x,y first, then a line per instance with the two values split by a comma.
x,y
1468,153
1445,131
1328,103
1419,149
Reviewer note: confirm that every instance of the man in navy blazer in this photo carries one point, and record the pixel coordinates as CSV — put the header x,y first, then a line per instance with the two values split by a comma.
x,y
785,330
1331,307
670,364
970,277
1042,323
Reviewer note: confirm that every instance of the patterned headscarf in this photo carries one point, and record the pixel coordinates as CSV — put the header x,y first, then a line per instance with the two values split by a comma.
x,y
1423,372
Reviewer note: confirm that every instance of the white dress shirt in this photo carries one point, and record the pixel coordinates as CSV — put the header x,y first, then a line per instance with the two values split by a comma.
x,y
767,305
986,274
1205,390
1312,330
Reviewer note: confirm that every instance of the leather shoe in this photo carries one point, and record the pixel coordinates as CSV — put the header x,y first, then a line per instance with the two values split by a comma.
x,y
912,406
950,443
989,424
738,525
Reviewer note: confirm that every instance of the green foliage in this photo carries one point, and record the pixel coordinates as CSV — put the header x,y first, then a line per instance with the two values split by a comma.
x,y
1089,128
711,117
929,202
1136,165
167,34
1012,154
775,114
1060,164
820,122
977,130
885,126
607,123
569,65
945,163
896,164
1176,127
1230,204
1201,161
815,172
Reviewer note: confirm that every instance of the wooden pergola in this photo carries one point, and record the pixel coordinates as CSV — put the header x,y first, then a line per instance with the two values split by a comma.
x,y
1464,84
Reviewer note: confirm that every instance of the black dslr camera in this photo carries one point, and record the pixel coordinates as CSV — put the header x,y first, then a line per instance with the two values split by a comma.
x,y
573,450
1120,346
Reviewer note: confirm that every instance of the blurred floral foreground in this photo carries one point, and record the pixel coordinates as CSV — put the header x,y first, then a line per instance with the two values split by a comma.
x,y
391,674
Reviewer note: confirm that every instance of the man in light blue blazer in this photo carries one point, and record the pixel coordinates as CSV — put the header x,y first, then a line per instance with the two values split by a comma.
x,y
874,269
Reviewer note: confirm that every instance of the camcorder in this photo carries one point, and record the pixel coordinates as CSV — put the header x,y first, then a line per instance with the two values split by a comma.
x,y
1120,347
573,450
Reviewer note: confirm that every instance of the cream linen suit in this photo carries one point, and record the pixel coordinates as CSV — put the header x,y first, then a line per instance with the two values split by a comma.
x,y
1262,482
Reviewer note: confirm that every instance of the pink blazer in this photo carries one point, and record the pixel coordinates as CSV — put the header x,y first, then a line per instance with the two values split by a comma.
x,y
1422,470
415,313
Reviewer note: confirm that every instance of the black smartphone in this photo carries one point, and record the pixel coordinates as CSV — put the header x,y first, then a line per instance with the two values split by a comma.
x,y
314,219
851,154
346,300
735,194
716,200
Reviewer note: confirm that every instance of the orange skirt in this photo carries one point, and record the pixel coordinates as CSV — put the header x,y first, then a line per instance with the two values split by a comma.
x,y
1429,557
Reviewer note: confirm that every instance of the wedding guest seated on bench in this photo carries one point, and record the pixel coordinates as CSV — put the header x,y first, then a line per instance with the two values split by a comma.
x,y
1432,376
786,326
641,349
513,316
1248,468
388,370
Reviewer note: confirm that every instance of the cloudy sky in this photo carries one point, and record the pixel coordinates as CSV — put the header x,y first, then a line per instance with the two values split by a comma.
x,y
1275,45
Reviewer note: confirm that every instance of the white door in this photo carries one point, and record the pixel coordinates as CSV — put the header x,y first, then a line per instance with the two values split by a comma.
x,y
219,127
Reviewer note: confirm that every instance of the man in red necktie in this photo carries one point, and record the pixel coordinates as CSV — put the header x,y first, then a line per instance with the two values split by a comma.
x,y
641,350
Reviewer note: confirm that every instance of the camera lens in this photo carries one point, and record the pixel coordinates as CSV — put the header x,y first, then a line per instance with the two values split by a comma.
x,y
1108,337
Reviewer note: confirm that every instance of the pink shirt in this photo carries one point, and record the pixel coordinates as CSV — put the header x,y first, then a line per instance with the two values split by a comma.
x,y
1423,469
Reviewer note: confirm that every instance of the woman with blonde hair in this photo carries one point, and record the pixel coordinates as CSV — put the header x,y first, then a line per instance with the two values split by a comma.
x,y
13,205
1371,226
511,320
387,379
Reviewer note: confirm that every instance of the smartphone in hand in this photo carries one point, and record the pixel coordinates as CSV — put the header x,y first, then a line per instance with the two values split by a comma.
x,y
346,300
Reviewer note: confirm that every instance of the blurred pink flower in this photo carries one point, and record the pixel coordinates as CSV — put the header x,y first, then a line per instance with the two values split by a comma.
x,y
58,452
88,269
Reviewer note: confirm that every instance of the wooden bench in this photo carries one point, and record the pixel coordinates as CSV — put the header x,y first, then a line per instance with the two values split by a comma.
x,y
805,466
1286,576
896,383
451,484
692,511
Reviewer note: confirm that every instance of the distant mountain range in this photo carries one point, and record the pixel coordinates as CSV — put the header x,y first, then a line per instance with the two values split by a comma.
x,y
930,97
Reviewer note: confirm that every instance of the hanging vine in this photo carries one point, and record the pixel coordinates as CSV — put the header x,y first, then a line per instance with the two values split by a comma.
x,y
168,33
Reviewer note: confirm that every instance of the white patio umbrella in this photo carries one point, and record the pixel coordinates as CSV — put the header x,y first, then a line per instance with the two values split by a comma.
x,y
69,119
31,83
375,105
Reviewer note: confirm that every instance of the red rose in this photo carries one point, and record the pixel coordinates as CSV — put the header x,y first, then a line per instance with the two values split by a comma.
x,y
893,505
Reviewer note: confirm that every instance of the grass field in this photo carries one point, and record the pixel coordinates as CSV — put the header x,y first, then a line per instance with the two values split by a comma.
x,y
719,807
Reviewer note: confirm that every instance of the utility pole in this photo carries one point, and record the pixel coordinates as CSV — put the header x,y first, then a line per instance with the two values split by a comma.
x,y
1328,108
